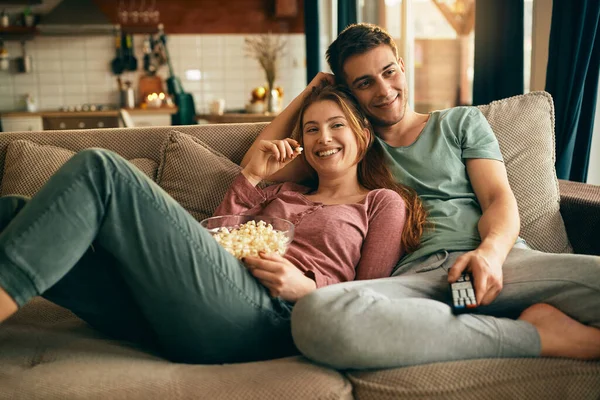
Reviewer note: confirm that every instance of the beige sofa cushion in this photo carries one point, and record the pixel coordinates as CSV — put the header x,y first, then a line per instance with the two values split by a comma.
x,y
48,353
524,126
29,165
194,174
518,378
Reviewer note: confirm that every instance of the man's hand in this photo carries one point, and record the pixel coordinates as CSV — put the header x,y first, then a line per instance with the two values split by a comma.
x,y
280,276
272,155
486,269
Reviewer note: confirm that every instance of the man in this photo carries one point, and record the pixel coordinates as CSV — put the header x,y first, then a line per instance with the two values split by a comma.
x,y
529,303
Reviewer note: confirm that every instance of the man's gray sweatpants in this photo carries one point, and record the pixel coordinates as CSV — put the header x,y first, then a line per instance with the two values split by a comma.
x,y
407,320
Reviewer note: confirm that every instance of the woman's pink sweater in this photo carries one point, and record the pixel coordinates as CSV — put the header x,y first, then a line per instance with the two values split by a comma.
x,y
332,243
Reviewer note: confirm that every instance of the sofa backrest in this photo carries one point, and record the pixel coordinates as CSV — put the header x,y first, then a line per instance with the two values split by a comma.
x,y
232,140
524,126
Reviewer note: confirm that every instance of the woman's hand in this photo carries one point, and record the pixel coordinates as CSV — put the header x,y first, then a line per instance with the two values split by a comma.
x,y
280,276
272,155
319,78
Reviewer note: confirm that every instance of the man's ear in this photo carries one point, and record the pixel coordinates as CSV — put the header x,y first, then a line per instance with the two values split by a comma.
x,y
401,64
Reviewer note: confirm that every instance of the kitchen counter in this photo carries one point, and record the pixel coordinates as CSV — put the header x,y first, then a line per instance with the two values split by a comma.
x,y
103,113
14,121
227,118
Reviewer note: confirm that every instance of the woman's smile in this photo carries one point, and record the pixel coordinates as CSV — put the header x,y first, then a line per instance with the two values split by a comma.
x,y
328,153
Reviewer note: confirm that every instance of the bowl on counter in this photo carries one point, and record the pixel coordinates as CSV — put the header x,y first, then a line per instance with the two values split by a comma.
x,y
257,107
246,235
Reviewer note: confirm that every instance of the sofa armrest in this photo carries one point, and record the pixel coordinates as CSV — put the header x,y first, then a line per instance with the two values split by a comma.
x,y
580,209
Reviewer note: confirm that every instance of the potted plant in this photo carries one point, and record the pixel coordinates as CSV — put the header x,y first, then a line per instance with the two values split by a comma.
x,y
28,17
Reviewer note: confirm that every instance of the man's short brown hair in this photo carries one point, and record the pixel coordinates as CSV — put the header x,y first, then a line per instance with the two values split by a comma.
x,y
356,39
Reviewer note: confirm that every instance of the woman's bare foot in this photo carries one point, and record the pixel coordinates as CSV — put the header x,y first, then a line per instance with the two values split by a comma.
x,y
561,335
7,305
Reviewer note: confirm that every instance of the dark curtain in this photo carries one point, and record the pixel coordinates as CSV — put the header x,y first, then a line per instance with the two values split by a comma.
x,y
572,80
498,71
347,13
311,29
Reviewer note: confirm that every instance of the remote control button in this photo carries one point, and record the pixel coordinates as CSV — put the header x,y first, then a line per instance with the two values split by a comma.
x,y
461,285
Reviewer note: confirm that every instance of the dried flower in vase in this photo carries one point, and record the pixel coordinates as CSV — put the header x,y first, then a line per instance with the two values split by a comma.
x,y
266,49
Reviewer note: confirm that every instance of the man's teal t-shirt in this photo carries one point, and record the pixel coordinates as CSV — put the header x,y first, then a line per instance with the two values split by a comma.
x,y
434,165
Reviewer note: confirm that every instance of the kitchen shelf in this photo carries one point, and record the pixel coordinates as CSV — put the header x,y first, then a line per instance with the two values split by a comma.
x,y
18,33
138,29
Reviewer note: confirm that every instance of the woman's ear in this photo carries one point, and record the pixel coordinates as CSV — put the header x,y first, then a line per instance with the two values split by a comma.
x,y
369,136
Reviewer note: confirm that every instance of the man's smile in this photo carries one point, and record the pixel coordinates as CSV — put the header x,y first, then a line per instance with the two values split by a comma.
x,y
388,104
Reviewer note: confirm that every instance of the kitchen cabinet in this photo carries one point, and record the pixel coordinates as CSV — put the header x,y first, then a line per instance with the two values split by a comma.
x,y
79,122
138,117
25,123
145,119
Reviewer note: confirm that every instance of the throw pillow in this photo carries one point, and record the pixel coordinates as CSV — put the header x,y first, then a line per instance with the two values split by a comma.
x,y
194,174
524,126
29,165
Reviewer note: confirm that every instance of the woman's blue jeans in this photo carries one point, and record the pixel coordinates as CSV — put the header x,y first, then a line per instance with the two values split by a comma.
x,y
106,242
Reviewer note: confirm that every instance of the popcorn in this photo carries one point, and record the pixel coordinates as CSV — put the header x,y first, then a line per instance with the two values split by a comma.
x,y
250,238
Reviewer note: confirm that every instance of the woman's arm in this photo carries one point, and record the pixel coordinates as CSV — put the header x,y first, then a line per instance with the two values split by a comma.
x,y
271,156
382,248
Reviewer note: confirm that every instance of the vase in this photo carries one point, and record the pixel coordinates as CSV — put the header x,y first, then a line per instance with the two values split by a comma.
x,y
272,99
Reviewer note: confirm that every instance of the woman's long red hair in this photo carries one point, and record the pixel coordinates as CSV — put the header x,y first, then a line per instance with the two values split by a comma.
x,y
373,172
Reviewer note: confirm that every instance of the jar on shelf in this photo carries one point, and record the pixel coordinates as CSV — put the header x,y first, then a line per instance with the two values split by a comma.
x,y
4,61
4,21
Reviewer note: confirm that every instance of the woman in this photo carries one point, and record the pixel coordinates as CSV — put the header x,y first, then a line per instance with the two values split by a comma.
x,y
106,242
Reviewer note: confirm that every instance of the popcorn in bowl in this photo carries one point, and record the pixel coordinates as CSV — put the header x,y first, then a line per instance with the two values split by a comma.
x,y
246,235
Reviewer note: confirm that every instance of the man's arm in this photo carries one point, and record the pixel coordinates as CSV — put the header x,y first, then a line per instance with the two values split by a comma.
x,y
499,224
498,228
280,128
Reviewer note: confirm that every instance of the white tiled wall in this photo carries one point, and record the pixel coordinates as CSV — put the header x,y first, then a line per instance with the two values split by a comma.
x,y
76,70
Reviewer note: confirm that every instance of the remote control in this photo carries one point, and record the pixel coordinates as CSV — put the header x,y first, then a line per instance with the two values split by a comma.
x,y
463,294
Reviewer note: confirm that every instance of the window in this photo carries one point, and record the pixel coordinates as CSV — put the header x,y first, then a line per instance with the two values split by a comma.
x,y
443,50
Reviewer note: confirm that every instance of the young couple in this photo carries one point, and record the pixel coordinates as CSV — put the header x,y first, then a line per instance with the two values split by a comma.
x,y
529,303
89,241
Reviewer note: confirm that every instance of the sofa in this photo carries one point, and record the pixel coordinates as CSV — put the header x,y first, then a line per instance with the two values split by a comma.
x,y
47,352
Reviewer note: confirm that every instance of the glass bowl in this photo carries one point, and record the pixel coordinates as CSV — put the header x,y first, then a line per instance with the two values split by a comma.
x,y
275,235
